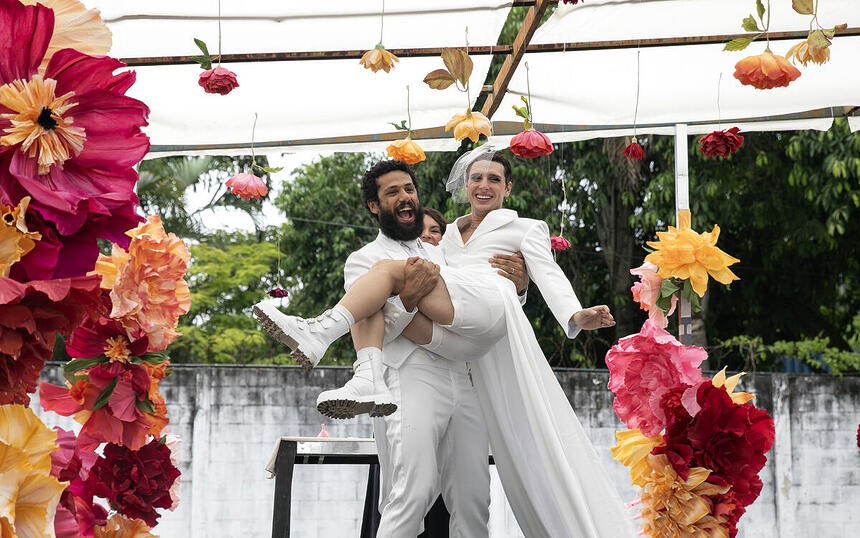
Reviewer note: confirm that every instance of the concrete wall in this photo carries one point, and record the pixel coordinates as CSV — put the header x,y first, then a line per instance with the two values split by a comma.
x,y
229,418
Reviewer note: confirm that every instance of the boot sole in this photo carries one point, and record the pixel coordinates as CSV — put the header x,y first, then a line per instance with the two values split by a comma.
x,y
345,409
383,410
278,334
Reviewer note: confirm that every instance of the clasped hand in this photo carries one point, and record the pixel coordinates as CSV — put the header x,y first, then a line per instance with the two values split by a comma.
x,y
421,277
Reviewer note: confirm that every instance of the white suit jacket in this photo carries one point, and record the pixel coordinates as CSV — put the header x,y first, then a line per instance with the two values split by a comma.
x,y
397,348
503,232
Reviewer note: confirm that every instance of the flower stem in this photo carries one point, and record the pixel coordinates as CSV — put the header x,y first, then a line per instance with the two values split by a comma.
x,y
253,129
767,28
529,92
408,114
219,33
468,95
382,21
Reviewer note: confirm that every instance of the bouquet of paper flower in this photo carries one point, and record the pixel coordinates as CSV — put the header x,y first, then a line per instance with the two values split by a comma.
x,y
695,446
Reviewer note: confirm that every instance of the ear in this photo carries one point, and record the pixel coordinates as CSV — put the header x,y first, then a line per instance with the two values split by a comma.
x,y
374,207
508,186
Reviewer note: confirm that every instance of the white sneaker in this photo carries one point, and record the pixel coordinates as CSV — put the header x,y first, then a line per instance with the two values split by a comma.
x,y
364,393
307,338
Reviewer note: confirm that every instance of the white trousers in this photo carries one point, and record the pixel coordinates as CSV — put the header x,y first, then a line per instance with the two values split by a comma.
x,y
435,442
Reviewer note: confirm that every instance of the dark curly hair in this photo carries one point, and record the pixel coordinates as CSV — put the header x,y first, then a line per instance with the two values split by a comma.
x,y
369,186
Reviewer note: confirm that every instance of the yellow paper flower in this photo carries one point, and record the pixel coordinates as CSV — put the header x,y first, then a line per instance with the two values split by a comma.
x,y
15,240
28,494
75,27
378,58
119,526
804,54
632,449
720,380
470,125
406,150
683,253
675,508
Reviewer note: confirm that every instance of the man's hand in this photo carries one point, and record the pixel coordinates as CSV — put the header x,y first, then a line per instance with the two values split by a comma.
x,y
421,277
594,317
513,268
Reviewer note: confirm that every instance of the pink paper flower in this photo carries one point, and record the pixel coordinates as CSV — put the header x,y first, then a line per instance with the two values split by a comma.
x,y
646,292
219,80
558,243
642,368
531,144
77,514
247,186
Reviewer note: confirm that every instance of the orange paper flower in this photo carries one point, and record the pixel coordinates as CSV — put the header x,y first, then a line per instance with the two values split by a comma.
x,y
632,449
15,240
147,286
804,54
765,71
75,27
470,125
119,526
683,253
720,380
406,150
378,58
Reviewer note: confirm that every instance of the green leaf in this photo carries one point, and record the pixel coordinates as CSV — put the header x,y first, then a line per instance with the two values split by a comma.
x,y
521,111
691,296
760,8
104,396
750,24
668,288
75,365
205,61
664,303
400,126
739,43
145,406
804,7
155,358
202,46
267,169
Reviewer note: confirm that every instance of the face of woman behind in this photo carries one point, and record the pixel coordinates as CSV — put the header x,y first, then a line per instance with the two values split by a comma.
x,y
486,187
432,231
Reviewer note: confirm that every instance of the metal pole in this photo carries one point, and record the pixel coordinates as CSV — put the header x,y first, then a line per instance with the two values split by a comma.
x,y
682,201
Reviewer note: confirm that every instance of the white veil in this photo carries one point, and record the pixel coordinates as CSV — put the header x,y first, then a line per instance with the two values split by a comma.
x,y
456,184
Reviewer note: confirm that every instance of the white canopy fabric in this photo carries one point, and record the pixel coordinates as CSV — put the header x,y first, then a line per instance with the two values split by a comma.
x,y
296,100
593,92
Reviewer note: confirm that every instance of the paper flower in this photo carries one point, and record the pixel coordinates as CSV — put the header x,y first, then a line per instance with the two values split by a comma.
x,y
558,243
804,54
531,144
643,367
277,292
631,450
31,315
676,507
219,80
119,526
647,291
406,150
105,336
574,2
75,27
146,283
378,58
721,143
765,71
683,253
15,238
633,151
70,137
173,442
247,186
135,481
76,512
28,493
729,384
470,125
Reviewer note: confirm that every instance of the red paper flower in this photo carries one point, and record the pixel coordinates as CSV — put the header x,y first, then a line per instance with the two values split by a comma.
x,y
247,186
858,436
721,143
558,243
105,336
68,139
642,368
77,514
136,482
31,315
219,80
531,144
633,151
277,292
574,2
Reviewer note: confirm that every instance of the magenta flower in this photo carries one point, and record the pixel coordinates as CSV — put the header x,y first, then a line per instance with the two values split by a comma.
x,y
558,243
219,80
642,368
247,186
531,144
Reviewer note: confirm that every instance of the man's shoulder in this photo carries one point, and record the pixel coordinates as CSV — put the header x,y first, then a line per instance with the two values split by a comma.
x,y
373,250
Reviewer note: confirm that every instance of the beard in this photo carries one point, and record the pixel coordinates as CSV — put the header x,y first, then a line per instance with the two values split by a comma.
x,y
392,228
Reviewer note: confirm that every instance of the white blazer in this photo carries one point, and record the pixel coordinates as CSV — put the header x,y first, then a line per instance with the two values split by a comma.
x,y
503,232
397,348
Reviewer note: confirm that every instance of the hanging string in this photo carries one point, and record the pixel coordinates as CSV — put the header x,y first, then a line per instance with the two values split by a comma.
x,y
468,94
529,92
408,113
636,107
219,33
719,113
382,21
253,129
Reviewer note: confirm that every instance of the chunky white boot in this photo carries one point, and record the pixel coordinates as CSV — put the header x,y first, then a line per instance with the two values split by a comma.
x,y
364,393
307,338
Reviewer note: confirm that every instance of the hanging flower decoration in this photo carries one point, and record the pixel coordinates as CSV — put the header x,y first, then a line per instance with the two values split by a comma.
x,y
278,293
529,143
378,58
28,493
247,186
804,54
218,80
458,70
765,71
75,27
573,2
406,150
470,125
683,254
558,243
633,151
721,143
646,292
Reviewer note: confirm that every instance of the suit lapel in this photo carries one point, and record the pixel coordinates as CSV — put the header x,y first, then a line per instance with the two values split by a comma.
x,y
391,247
494,219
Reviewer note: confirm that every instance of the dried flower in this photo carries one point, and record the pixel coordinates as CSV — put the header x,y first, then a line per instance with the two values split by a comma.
x,y
633,151
558,243
406,150
247,186
378,58
470,125
219,80
119,526
804,54
765,71
531,144
721,143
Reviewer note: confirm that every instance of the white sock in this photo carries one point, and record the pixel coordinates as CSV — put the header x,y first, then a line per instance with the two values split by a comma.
x,y
365,354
